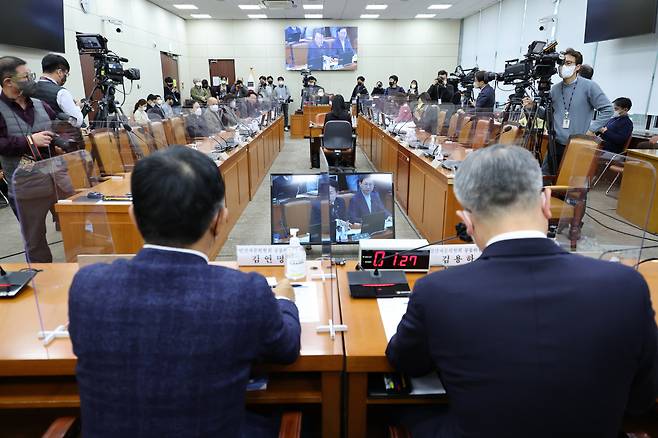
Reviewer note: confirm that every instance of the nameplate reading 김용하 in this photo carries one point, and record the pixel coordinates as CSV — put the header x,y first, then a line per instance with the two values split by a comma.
x,y
453,255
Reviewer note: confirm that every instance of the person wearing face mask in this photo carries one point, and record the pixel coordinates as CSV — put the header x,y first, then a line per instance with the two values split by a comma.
x,y
310,91
25,124
262,85
195,123
441,89
139,113
282,95
486,100
155,112
238,89
213,116
378,90
198,93
171,92
393,87
50,88
574,101
619,128
413,89
359,89
167,108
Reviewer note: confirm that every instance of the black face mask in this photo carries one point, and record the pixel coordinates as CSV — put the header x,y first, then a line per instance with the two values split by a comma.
x,y
391,83
270,82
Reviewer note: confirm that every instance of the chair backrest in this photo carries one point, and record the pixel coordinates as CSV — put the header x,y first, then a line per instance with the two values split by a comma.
x,y
180,134
337,135
511,136
452,126
579,161
319,118
126,148
347,197
159,136
107,148
297,214
628,143
481,133
78,171
466,132
440,121
169,131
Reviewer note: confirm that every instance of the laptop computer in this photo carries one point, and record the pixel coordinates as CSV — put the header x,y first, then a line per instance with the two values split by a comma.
x,y
14,282
373,222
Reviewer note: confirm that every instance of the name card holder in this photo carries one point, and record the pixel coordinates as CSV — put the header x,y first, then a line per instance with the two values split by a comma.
x,y
453,255
261,255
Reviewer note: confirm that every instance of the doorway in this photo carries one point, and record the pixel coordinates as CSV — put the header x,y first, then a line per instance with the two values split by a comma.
x,y
220,68
170,68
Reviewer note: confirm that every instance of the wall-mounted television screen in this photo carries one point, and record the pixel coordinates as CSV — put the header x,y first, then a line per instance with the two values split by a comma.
x,y
610,19
321,48
33,23
340,208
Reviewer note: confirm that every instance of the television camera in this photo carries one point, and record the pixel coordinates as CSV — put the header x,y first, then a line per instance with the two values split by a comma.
x,y
109,73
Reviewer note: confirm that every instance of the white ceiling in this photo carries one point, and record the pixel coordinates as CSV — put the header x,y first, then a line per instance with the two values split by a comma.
x,y
333,9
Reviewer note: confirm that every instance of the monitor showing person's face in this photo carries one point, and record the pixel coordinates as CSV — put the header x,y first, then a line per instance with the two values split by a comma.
x,y
342,34
367,186
318,38
332,194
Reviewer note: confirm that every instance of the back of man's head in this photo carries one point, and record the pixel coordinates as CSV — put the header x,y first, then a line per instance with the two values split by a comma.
x,y
177,192
586,71
53,62
498,181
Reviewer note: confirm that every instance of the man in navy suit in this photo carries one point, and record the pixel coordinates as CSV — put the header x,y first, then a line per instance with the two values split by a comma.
x,y
342,47
529,340
486,100
337,210
317,50
366,201
165,341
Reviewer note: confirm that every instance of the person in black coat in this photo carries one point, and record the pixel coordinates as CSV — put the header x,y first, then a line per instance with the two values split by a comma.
x,y
338,110
486,100
528,337
359,89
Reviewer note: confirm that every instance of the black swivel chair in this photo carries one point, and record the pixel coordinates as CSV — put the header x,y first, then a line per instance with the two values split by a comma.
x,y
339,144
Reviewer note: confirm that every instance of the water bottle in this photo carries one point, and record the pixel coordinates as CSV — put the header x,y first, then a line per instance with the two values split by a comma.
x,y
236,136
295,258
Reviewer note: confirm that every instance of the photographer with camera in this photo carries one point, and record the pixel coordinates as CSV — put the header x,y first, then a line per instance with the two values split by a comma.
x,y
574,101
50,88
441,90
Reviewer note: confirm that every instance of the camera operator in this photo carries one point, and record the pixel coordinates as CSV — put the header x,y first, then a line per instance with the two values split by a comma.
x,y
24,132
574,101
50,88
441,90
486,100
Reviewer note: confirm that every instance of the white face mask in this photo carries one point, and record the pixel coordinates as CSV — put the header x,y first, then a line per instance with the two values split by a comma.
x,y
159,101
214,108
566,71
617,114
198,84
280,83
142,108
320,93
232,104
198,111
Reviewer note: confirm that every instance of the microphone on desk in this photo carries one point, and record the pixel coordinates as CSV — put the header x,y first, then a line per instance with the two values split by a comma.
x,y
222,148
400,128
507,128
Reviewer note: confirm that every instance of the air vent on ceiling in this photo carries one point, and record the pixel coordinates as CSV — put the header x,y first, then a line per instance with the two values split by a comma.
x,y
279,4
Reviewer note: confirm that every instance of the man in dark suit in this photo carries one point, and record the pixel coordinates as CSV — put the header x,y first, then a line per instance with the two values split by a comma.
x,y
337,210
165,342
366,201
342,48
317,50
441,89
486,100
529,340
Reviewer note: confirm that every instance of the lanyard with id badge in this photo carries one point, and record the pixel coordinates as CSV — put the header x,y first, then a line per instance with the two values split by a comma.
x,y
566,122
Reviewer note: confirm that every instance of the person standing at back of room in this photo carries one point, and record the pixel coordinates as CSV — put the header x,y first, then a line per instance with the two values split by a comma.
x,y
282,95
166,347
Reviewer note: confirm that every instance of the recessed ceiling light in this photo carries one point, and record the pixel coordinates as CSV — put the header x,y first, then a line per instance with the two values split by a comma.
x,y
257,16
440,6
200,16
249,7
376,7
185,6
425,15
312,15
315,7
369,15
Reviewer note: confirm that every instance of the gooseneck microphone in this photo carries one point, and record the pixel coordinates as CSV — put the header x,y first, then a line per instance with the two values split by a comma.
x,y
507,128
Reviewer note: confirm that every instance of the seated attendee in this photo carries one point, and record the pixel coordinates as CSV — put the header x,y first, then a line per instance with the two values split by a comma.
x,y
150,101
586,71
428,121
251,105
167,108
366,201
318,50
338,110
165,348
619,128
529,340
213,116
404,114
198,93
413,89
342,48
378,90
283,187
337,210
139,113
421,105
195,123
155,112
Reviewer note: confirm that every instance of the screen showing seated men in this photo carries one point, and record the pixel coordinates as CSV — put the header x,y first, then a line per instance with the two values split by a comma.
x,y
341,208
321,48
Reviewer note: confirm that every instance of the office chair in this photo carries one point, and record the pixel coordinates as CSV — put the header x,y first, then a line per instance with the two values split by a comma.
x,y
338,144
616,165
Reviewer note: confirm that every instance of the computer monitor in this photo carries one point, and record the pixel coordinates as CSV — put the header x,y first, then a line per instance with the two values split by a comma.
x,y
341,208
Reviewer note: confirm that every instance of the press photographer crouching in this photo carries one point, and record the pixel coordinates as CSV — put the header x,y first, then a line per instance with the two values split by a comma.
x,y
26,137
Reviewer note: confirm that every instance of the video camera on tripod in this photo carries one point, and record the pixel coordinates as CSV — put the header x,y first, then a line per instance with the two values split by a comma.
x,y
462,80
540,64
109,73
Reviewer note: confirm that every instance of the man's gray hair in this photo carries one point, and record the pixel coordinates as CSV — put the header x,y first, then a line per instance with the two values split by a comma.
x,y
493,179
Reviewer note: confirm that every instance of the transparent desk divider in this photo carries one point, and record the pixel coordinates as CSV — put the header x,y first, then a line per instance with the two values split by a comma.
x,y
602,204
58,186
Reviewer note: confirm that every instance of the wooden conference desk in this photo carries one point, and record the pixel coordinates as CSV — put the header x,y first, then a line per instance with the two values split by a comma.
x,y
35,376
365,346
89,227
423,190
299,123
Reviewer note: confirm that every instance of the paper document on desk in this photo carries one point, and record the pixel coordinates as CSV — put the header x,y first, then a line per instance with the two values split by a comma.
x,y
306,299
391,311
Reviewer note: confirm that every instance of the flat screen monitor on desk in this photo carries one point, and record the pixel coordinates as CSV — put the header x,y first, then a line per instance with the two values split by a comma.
x,y
341,208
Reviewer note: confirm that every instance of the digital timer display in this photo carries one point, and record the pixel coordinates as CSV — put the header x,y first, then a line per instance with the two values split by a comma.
x,y
395,260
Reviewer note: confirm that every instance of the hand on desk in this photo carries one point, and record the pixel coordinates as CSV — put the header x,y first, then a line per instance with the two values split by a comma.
x,y
283,289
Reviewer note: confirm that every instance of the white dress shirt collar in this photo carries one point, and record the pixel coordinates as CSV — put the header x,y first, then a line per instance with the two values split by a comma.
x,y
174,249
512,235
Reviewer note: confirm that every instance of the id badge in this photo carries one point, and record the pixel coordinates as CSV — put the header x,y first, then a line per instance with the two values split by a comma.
x,y
566,123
